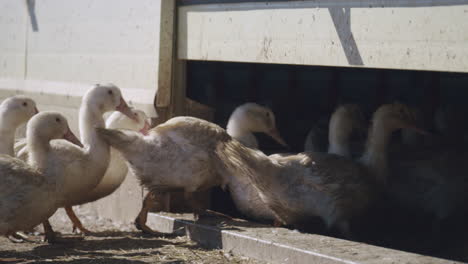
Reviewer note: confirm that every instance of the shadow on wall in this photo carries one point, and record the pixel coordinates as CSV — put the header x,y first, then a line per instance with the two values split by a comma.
x,y
342,20
32,14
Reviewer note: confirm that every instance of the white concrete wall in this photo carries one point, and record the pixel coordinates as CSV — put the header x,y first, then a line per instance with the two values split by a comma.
x,y
59,48
53,50
399,34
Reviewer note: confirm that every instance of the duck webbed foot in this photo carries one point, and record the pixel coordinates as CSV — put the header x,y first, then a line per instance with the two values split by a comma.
x,y
77,225
208,212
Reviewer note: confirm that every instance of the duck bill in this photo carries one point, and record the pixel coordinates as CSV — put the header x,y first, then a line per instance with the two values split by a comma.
x,y
145,128
124,109
274,133
35,110
72,138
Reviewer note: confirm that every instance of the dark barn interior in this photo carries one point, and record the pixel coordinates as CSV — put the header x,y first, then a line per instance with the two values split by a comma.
x,y
302,95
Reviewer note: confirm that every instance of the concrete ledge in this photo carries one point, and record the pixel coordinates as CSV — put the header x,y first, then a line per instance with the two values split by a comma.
x,y
279,245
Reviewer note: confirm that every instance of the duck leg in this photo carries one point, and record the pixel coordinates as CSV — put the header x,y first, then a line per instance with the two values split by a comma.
x,y
50,235
76,221
199,208
52,238
140,221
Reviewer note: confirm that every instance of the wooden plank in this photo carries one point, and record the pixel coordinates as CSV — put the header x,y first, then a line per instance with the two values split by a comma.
x,y
166,53
413,35
178,93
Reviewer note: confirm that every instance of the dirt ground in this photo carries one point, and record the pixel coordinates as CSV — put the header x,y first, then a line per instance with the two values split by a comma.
x,y
111,243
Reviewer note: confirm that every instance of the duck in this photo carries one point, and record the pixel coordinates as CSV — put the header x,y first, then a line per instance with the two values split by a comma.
x,y
316,139
177,155
245,120
27,192
14,111
436,181
343,122
79,170
310,184
117,169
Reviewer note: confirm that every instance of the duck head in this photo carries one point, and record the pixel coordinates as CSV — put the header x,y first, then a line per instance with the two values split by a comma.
x,y
17,110
108,97
51,125
256,118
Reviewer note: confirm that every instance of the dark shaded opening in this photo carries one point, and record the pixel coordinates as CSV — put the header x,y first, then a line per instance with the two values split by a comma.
x,y
301,95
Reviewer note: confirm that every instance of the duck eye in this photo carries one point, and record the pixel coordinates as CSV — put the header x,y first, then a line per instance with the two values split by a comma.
x,y
25,104
57,120
110,92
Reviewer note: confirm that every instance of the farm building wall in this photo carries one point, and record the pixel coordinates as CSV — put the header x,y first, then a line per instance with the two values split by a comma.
x,y
414,35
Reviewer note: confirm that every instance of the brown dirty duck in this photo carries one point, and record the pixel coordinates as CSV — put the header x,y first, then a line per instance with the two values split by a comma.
x,y
244,121
307,185
344,120
177,155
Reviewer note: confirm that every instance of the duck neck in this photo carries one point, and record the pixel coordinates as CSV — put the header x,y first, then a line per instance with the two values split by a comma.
x,y
375,155
38,151
91,118
7,134
338,138
243,134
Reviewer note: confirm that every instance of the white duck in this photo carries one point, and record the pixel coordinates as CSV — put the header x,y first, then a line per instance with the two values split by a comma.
x,y
315,184
117,170
344,121
14,111
27,192
79,170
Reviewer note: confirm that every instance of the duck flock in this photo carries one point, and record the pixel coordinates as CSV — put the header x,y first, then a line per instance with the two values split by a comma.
x,y
51,168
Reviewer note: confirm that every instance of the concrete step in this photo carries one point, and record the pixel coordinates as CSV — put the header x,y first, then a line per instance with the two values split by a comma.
x,y
279,245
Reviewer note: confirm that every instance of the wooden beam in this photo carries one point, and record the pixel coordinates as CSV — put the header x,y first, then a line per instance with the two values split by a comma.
x,y
167,42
